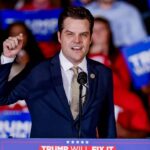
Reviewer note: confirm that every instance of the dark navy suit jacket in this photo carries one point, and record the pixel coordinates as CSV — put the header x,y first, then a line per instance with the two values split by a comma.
x,y
48,105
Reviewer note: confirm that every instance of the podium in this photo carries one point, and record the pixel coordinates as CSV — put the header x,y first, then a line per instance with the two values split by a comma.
x,y
74,144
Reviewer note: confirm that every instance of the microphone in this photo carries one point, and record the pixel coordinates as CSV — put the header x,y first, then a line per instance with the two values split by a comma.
x,y
82,78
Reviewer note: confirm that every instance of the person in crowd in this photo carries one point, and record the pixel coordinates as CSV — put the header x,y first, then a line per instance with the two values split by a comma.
x,y
51,89
50,47
30,54
126,21
143,6
131,117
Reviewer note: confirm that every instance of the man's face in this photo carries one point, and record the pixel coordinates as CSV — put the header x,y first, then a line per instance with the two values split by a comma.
x,y
75,39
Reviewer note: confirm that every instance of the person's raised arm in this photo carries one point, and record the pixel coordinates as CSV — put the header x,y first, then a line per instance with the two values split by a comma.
x,y
17,91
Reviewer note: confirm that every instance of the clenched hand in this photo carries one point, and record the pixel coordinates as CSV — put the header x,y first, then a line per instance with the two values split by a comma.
x,y
12,46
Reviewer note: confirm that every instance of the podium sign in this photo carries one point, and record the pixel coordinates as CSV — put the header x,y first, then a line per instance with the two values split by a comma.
x,y
74,144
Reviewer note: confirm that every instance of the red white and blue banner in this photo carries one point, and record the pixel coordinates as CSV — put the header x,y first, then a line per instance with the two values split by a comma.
x,y
137,57
15,121
42,23
74,144
15,124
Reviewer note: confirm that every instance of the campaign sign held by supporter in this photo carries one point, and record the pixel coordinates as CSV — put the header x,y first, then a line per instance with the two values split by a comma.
x,y
14,124
138,60
42,23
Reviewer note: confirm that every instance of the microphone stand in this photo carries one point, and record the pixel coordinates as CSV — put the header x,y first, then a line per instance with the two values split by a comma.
x,y
82,80
80,109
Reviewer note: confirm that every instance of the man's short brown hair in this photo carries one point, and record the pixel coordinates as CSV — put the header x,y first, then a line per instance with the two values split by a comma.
x,y
75,13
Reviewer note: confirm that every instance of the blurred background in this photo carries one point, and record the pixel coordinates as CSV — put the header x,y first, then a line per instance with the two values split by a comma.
x,y
121,41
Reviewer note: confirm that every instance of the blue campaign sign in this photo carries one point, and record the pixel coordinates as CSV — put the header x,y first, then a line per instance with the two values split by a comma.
x,y
42,23
15,124
138,60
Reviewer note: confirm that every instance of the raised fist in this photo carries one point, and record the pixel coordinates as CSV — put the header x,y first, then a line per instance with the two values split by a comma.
x,y
12,45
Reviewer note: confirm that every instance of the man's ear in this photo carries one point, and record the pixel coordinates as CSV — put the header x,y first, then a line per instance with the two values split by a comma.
x,y
59,36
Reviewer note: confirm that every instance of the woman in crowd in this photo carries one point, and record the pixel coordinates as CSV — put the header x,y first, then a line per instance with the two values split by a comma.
x,y
29,56
131,117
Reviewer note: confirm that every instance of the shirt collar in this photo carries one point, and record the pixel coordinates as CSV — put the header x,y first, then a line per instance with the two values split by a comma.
x,y
66,64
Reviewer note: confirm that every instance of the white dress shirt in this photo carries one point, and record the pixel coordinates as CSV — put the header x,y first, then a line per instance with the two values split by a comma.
x,y
5,60
67,73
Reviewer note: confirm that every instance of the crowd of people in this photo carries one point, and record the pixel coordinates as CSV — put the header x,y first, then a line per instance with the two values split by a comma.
x,y
118,23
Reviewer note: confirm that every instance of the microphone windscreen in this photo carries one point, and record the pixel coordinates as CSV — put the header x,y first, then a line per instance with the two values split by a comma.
x,y
82,78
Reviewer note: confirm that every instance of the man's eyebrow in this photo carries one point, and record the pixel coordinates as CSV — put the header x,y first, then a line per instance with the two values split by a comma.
x,y
68,31
84,32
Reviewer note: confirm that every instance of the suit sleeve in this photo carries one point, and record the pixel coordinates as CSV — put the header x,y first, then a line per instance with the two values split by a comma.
x,y
11,93
107,125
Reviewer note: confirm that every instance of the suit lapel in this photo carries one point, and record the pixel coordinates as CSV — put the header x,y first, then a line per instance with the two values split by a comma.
x,y
58,84
92,85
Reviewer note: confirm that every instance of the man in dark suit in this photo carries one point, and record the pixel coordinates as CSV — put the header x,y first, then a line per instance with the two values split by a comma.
x,y
48,87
